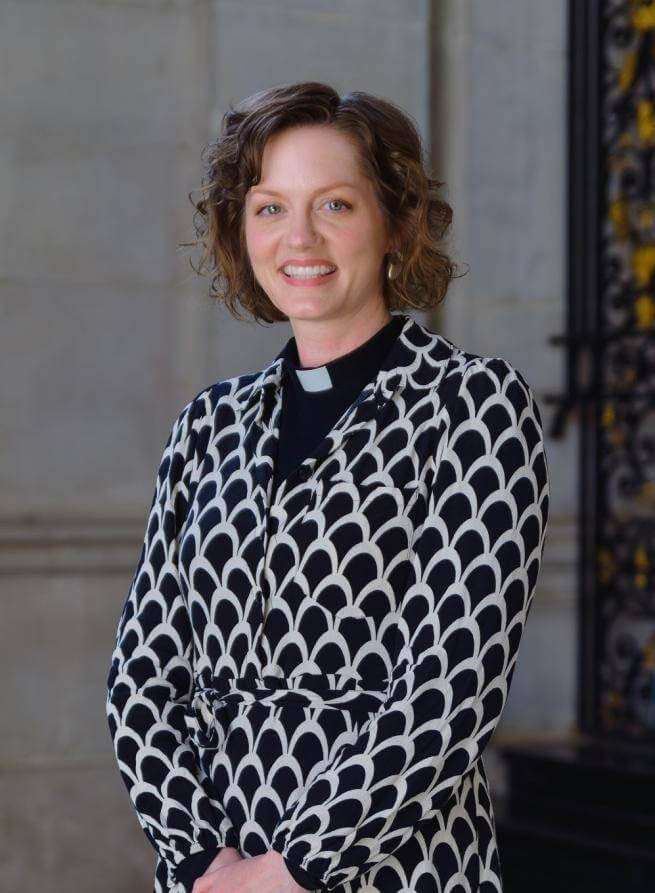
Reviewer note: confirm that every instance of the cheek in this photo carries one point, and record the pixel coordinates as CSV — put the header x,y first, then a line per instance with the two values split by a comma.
x,y
365,251
354,242
365,241
256,243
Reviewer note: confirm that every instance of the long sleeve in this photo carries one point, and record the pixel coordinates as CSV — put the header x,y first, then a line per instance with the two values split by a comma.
x,y
151,679
476,561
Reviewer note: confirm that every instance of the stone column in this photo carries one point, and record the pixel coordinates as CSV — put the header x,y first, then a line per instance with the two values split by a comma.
x,y
499,140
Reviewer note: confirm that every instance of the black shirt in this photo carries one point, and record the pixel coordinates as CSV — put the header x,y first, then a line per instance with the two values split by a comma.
x,y
314,399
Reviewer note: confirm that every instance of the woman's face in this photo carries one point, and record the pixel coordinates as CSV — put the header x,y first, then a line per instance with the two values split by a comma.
x,y
314,228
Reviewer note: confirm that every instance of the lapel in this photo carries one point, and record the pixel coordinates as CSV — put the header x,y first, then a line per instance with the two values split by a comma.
x,y
263,403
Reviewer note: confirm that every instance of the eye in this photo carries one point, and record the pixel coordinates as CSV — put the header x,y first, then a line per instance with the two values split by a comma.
x,y
337,201
265,208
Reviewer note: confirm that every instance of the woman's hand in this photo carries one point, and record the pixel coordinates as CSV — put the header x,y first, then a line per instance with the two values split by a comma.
x,y
260,874
227,855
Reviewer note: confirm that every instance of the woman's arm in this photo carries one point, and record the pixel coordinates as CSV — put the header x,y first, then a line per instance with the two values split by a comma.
x,y
475,565
151,679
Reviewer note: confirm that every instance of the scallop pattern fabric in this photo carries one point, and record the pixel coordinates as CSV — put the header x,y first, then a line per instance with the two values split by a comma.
x,y
317,670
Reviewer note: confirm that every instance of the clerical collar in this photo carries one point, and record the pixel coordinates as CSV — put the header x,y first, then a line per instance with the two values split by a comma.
x,y
340,370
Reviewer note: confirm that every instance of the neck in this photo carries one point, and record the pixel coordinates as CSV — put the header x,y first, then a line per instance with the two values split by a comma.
x,y
322,341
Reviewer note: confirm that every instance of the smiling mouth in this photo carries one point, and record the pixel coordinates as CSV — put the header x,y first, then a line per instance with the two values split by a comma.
x,y
307,274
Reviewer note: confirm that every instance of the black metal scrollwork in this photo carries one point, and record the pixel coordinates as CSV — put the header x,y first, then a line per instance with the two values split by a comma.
x,y
610,356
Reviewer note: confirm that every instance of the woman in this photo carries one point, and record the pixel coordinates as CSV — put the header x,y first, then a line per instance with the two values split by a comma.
x,y
341,550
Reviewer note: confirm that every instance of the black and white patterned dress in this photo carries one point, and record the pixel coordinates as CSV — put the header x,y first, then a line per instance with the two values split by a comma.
x,y
317,668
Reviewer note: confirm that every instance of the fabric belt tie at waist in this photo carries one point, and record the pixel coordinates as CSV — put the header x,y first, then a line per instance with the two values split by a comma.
x,y
210,706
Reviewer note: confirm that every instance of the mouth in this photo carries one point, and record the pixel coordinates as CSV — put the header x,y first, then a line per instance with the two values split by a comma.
x,y
309,275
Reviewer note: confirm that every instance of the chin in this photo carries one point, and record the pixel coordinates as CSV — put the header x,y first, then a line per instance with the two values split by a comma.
x,y
307,310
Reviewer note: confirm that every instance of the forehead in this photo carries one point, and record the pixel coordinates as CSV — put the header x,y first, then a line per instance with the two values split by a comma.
x,y
311,152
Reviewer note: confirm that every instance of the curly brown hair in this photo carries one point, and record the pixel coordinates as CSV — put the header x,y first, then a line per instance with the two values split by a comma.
x,y
391,153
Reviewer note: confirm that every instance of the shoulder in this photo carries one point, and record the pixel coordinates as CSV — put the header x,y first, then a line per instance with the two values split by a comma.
x,y
216,405
473,385
492,419
453,369
230,392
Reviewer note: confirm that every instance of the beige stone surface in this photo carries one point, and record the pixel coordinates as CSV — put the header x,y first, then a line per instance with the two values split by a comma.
x,y
56,639
381,48
71,828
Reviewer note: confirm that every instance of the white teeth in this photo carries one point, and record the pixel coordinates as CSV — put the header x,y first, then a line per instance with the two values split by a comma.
x,y
306,272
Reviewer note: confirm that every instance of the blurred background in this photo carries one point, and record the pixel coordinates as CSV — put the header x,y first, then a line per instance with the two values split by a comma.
x,y
106,332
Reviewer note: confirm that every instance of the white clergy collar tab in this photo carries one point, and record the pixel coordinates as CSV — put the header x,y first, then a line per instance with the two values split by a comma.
x,y
317,379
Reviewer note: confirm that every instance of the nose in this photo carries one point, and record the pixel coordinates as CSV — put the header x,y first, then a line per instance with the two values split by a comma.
x,y
300,230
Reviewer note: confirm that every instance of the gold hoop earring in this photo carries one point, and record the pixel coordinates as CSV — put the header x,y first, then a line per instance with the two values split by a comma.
x,y
393,266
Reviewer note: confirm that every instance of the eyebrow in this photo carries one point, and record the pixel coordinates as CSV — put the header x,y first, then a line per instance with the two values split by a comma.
x,y
340,184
